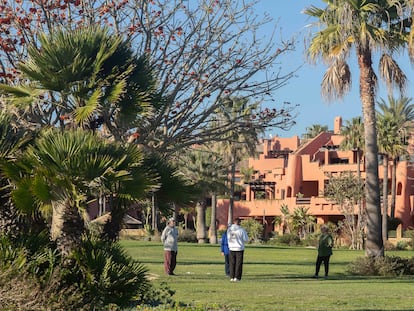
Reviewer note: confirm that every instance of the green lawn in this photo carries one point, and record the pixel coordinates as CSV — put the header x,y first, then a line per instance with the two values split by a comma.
x,y
274,278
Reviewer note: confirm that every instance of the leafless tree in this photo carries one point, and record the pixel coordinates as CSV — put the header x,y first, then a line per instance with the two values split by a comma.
x,y
200,52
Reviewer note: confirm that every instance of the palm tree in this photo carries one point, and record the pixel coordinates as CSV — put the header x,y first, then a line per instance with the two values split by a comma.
x,y
286,218
386,129
174,188
60,172
302,221
203,167
186,211
353,133
12,143
85,78
401,111
239,142
315,130
367,26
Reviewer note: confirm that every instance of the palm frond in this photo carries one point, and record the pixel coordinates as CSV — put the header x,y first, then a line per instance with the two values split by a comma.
x,y
391,73
22,95
84,113
336,81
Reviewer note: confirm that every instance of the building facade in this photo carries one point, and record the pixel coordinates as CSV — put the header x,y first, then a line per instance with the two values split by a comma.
x,y
288,172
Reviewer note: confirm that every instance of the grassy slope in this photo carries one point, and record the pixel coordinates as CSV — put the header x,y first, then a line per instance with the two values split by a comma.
x,y
274,278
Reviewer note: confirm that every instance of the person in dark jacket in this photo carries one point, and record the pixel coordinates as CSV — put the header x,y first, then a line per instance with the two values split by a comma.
x,y
225,251
324,251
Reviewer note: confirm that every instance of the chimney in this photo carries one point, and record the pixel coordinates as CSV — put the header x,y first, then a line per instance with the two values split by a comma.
x,y
337,125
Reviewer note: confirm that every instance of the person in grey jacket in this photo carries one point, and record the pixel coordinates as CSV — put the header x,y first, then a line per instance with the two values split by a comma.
x,y
169,238
236,237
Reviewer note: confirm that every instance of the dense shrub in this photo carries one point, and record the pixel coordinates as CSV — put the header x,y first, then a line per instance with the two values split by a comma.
x,y
107,275
388,246
382,266
288,239
254,229
32,280
311,240
402,245
99,275
410,234
187,235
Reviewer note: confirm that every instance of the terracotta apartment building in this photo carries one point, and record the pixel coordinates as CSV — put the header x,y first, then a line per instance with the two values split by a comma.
x,y
288,172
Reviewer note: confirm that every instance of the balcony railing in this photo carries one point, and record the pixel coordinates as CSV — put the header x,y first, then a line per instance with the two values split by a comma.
x,y
303,201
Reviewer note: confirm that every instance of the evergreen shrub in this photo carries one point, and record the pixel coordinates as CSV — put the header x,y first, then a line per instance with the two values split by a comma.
x,y
288,239
382,266
187,235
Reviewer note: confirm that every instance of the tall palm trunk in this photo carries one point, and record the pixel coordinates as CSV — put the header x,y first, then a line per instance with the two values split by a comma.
x,y
360,236
232,182
393,186
213,228
374,245
201,222
385,200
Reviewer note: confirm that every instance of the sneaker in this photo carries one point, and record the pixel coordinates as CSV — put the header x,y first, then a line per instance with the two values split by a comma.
x,y
315,277
236,280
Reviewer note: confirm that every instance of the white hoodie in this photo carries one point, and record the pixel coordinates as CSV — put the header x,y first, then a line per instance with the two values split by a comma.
x,y
236,236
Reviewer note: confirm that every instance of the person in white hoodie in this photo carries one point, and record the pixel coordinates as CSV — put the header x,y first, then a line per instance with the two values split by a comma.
x,y
236,237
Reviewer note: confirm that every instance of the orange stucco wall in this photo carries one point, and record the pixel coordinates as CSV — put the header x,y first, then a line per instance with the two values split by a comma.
x,y
294,174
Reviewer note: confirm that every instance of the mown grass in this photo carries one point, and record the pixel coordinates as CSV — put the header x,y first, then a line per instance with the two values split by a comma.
x,y
274,278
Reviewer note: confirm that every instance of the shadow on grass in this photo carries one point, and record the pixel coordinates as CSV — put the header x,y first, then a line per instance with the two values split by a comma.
x,y
274,277
341,277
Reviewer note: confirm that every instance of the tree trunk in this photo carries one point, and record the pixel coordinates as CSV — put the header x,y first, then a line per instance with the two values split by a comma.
x,y
393,186
185,221
113,225
201,222
375,244
360,231
154,220
232,182
213,227
385,200
67,226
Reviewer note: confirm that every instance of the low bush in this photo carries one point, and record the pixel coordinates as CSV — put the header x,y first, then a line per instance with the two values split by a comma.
x,y
187,235
107,275
287,239
99,275
410,234
388,246
254,229
401,245
382,266
311,240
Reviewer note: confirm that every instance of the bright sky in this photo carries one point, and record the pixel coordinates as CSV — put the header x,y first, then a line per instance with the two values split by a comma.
x,y
305,88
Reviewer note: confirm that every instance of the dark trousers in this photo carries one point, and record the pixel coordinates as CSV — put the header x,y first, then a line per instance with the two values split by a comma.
x,y
226,264
236,264
170,261
325,260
